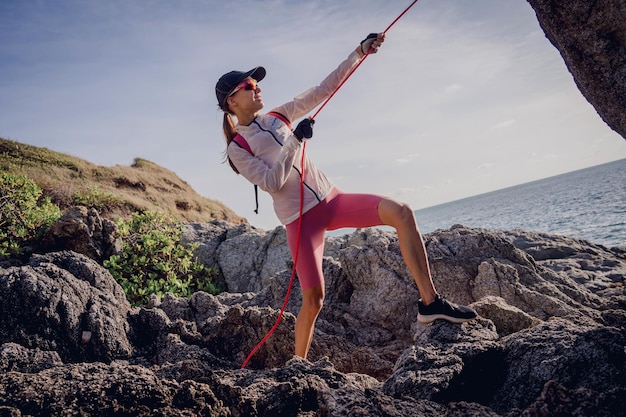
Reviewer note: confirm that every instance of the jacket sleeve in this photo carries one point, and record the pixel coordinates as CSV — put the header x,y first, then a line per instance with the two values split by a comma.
x,y
257,171
302,104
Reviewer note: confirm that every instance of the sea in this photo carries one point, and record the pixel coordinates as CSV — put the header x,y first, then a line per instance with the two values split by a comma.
x,y
587,204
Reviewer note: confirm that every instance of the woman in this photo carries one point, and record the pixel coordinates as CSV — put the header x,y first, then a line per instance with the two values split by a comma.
x,y
270,158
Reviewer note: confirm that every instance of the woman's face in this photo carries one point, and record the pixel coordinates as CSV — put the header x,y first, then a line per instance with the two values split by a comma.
x,y
246,97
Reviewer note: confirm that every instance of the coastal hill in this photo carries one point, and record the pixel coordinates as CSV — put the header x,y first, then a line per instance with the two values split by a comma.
x,y
115,191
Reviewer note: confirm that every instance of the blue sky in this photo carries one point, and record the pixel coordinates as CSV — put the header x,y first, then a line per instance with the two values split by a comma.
x,y
465,97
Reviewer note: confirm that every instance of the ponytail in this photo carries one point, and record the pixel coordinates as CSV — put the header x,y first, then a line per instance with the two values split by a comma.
x,y
229,133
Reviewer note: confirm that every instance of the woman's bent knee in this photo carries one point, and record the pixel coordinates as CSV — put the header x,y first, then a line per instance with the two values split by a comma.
x,y
396,214
313,298
406,213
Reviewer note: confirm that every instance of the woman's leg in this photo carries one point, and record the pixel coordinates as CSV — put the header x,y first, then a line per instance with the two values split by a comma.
x,y
309,252
401,217
312,300
365,210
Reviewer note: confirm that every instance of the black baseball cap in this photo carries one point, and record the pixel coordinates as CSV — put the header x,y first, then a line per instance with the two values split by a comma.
x,y
229,81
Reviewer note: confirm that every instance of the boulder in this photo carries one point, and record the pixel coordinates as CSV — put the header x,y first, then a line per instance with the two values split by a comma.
x,y
591,37
260,254
66,303
573,353
14,357
83,230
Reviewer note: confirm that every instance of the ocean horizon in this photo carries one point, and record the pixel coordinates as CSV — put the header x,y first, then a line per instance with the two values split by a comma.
x,y
587,204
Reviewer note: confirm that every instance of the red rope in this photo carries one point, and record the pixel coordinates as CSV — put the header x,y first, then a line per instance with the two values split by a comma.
x,y
295,261
359,63
400,16
293,270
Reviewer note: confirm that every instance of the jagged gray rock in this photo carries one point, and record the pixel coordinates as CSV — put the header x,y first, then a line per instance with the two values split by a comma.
x,y
591,37
550,336
446,362
14,357
83,230
573,353
66,303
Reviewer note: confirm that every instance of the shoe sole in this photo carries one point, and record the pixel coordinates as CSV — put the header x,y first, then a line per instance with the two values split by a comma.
x,y
429,319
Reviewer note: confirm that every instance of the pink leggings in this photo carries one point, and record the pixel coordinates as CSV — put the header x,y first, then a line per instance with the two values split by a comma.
x,y
337,210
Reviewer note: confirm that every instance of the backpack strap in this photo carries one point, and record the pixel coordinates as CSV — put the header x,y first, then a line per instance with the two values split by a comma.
x,y
243,143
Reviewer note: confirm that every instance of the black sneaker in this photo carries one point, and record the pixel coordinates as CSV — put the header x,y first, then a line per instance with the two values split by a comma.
x,y
443,309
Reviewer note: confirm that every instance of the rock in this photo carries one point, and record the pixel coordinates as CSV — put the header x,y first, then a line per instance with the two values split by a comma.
x,y
14,357
262,254
596,267
208,236
445,362
557,400
506,318
47,305
9,412
383,291
575,354
101,389
550,336
82,230
591,37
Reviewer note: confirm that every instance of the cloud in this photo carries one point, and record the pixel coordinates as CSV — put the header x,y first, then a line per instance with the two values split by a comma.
x,y
503,124
453,88
403,161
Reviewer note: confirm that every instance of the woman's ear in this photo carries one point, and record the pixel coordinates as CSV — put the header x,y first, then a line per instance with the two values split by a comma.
x,y
231,102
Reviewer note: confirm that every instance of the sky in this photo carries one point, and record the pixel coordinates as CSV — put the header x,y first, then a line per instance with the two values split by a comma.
x,y
463,98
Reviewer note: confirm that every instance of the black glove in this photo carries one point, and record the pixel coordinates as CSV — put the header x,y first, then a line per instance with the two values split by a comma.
x,y
304,130
366,44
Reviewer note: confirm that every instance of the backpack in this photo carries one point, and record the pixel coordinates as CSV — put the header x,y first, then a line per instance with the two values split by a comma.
x,y
243,143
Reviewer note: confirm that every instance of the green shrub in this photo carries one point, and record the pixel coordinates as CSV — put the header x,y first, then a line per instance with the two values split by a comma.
x,y
154,261
24,214
94,197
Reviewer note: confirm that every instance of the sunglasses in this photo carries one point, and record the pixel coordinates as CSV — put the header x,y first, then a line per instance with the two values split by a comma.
x,y
248,85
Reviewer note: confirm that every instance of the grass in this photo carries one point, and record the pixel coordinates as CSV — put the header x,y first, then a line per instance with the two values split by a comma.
x,y
115,191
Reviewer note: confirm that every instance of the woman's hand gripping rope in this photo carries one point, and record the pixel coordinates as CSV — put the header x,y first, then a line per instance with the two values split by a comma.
x,y
304,130
371,43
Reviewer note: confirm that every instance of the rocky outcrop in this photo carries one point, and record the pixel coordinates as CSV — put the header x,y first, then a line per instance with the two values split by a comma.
x,y
66,303
549,341
82,230
591,37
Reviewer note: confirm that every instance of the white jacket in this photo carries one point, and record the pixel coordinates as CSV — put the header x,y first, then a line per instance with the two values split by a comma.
x,y
275,165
